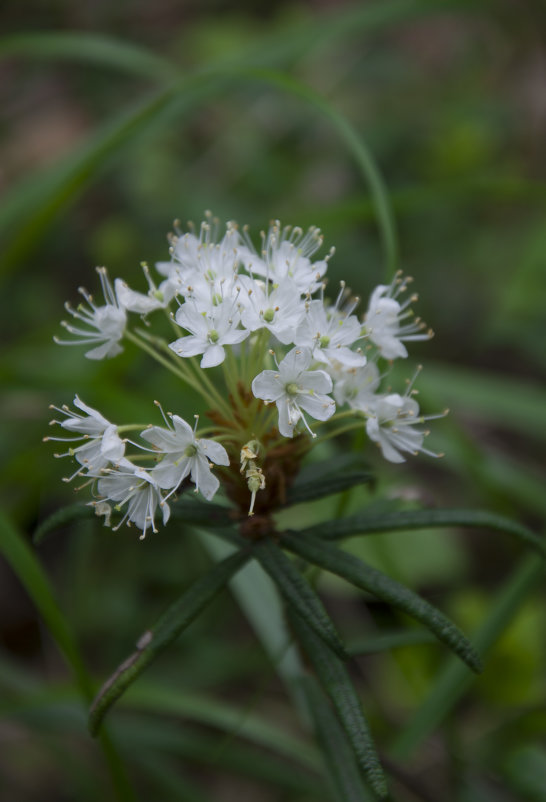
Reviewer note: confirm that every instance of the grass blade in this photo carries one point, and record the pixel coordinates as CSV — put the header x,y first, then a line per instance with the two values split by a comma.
x,y
335,680
154,641
355,145
104,51
455,679
34,579
383,587
237,722
298,593
365,524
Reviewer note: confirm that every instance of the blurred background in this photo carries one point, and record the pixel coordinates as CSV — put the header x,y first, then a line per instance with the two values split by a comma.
x,y
118,118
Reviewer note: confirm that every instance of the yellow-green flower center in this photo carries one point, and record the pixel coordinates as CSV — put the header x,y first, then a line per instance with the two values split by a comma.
x,y
269,314
292,389
190,451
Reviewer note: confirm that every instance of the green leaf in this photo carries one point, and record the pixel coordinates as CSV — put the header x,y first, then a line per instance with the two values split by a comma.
x,y
155,640
335,680
365,524
234,721
455,679
189,510
144,734
355,145
389,640
383,587
104,51
31,574
298,593
261,603
194,511
339,756
326,478
60,518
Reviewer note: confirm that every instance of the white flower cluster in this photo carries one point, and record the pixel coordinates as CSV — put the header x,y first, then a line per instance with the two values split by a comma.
x,y
261,315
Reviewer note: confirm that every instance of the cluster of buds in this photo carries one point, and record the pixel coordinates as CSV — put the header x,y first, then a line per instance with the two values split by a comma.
x,y
276,362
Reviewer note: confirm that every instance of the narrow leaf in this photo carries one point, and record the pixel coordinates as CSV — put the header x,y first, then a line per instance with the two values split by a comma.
x,y
237,722
34,579
298,593
389,640
338,754
383,587
193,511
190,510
325,479
263,606
146,734
105,51
336,682
365,524
60,518
155,640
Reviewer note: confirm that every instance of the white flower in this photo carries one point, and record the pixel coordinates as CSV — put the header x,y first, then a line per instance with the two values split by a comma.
x,y
106,323
357,387
202,267
330,334
293,387
278,308
102,445
209,332
184,454
384,318
392,427
128,484
143,304
285,253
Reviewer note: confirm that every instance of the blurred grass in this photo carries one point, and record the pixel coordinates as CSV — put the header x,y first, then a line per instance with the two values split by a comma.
x,y
99,154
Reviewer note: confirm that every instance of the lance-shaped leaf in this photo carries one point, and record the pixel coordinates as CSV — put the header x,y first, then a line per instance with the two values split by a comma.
x,y
339,757
326,478
193,510
298,593
60,518
175,619
365,524
383,587
190,510
336,682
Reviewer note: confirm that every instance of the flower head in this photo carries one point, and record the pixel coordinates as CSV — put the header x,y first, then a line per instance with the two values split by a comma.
x,y
230,304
